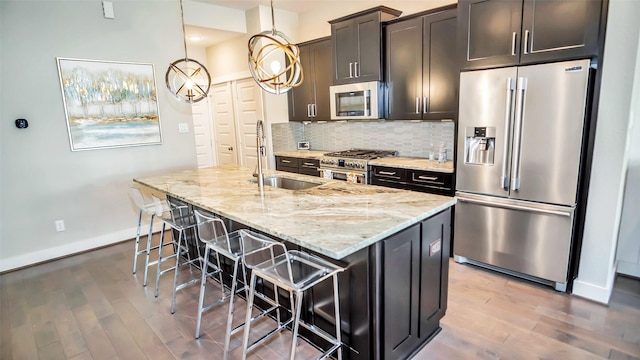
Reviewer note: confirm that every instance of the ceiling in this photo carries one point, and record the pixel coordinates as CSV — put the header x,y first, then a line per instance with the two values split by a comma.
x,y
297,6
209,36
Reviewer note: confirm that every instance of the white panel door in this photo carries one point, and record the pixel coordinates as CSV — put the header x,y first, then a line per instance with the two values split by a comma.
x,y
202,132
223,115
248,111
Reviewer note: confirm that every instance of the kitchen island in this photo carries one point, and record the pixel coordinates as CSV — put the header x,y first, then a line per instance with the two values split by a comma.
x,y
394,244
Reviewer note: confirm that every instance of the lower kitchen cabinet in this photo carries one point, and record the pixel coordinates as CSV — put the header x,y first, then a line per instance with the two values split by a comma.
x,y
298,165
415,272
392,293
412,179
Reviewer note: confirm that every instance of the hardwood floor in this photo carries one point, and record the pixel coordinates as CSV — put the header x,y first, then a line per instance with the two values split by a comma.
x,y
90,306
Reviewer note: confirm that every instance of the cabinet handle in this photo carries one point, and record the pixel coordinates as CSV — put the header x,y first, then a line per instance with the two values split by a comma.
x,y
418,105
356,69
526,41
387,173
425,104
315,110
430,178
285,161
230,148
513,44
308,110
350,70
309,164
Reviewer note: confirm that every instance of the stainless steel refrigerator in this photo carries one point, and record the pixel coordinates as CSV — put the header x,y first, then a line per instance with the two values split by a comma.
x,y
520,138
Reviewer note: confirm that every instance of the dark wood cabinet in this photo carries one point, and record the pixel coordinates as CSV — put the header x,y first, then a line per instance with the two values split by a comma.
x,y
434,271
392,293
415,273
421,71
298,165
507,32
310,100
401,279
412,179
357,45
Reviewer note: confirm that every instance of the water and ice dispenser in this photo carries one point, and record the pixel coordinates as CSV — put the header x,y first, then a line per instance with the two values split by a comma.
x,y
479,145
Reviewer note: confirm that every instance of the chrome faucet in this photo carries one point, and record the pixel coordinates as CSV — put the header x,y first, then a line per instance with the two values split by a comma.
x,y
262,151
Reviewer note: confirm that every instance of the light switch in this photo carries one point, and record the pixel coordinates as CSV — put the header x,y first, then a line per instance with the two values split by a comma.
x,y
107,10
183,127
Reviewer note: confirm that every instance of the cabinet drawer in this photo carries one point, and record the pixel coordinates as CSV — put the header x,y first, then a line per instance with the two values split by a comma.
x,y
285,161
429,178
309,167
387,173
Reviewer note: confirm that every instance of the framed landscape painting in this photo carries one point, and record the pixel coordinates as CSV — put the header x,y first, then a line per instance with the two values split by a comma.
x,y
109,104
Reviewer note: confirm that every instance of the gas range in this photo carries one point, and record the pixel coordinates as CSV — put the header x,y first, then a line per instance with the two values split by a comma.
x,y
350,165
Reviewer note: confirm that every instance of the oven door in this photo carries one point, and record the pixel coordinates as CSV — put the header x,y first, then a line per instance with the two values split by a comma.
x,y
354,177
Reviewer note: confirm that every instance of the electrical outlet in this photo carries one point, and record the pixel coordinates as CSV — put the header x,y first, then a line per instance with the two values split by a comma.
x,y
183,127
59,225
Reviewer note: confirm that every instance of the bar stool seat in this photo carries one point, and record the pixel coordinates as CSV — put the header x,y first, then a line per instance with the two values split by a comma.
x,y
177,217
296,272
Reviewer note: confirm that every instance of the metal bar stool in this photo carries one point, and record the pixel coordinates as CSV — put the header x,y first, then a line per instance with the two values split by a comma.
x,y
148,208
212,232
296,272
179,218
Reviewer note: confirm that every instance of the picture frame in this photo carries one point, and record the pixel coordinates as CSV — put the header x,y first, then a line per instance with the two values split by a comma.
x,y
109,104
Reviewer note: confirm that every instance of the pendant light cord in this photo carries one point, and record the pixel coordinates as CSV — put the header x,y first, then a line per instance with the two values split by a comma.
x,y
273,21
184,32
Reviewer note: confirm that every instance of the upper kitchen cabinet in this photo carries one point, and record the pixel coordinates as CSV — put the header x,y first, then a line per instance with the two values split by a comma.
x,y
421,67
507,32
310,100
357,45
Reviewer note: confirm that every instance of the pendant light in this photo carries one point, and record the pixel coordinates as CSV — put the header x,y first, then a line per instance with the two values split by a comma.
x,y
187,79
267,50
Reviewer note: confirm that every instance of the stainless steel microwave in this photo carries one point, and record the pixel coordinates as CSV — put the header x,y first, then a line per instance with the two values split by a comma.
x,y
357,101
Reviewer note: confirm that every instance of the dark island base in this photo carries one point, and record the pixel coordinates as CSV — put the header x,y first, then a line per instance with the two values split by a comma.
x,y
392,294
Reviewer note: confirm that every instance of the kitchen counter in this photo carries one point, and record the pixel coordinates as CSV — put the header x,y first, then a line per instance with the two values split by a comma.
x,y
335,218
393,244
305,154
414,163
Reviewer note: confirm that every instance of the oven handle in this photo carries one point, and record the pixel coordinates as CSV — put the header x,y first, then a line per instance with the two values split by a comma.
x,y
362,175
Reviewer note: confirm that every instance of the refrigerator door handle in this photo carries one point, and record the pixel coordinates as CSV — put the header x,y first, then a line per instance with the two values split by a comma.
x,y
417,105
504,178
517,133
514,207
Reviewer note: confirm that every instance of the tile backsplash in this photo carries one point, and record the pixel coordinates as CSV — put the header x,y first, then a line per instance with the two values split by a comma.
x,y
413,139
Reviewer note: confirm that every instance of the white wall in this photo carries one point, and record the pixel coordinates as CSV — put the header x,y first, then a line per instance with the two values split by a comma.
x,y
41,179
597,266
628,254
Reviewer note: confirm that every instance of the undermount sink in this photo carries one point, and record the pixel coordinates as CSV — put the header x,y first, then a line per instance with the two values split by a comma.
x,y
288,183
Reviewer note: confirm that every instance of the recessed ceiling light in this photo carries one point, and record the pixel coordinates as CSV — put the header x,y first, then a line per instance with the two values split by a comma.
x,y
195,37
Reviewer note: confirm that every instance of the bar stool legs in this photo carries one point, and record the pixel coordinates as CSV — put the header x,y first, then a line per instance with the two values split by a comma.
x,y
296,298
293,271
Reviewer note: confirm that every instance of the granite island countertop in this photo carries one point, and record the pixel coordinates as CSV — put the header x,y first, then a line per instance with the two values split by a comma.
x,y
335,218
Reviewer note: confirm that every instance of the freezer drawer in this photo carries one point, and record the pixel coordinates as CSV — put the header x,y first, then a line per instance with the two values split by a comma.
x,y
528,238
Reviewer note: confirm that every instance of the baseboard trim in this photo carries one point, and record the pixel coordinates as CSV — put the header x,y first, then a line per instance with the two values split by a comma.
x,y
597,293
44,255
628,268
